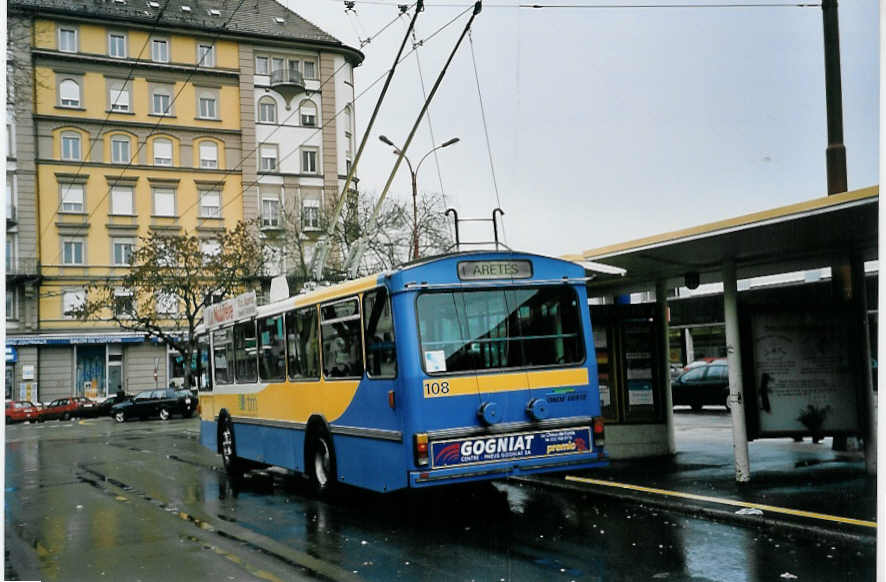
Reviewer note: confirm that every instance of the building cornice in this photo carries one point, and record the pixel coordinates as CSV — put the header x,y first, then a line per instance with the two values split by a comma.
x,y
141,124
174,169
135,63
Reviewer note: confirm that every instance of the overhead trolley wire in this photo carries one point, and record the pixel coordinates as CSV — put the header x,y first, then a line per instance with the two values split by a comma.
x,y
616,6
486,131
283,124
340,111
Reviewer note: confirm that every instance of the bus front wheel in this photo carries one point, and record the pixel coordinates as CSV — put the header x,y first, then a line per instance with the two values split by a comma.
x,y
321,464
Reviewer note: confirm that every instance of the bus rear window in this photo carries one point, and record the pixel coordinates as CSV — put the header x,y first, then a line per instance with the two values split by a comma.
x,y
503,328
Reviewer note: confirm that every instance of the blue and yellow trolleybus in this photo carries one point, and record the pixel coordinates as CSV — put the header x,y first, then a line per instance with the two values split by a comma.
x,y
457,368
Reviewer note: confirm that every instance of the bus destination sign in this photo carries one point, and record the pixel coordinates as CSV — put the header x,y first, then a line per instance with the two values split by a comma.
x,y
482,270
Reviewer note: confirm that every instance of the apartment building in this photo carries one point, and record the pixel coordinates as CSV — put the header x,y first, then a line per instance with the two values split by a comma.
x,y
144,116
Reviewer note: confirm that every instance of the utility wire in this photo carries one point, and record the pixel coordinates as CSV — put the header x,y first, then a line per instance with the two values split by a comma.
x,y
424,94
615,6
486,131
340,111
283,124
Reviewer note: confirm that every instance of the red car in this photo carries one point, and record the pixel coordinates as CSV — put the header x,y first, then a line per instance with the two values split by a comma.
x,y
61,409
20,411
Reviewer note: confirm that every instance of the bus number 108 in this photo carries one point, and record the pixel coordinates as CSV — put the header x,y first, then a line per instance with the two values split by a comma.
x,y
436,389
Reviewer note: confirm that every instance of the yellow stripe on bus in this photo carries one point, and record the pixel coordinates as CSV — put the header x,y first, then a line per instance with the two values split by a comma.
x,y
294,402
509,382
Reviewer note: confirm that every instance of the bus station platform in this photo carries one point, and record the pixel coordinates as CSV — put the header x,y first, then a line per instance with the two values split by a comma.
x,y
804,487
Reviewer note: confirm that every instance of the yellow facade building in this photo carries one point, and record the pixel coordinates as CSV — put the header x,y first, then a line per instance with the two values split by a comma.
x,y
143,120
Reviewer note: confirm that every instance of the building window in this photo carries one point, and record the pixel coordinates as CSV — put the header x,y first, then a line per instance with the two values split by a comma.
x,y
276,65
161,103
267,110
72,251
70,146
310,70
311,215
207,108
162,152
208,154
210,248
268,157
122,201
164,202
123,303
210,204
117,45
10,196
118,97
69,93
309,161
122,249
120,150
167,304
67,39
261,65
11,263
205,55
160,50
11,304
72,300
72,198
308,113
270,212
10,140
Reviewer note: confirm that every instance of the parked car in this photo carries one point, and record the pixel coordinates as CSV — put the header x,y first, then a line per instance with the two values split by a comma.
x,y
86,408
161,403
707,384
103,408
60,409
20,411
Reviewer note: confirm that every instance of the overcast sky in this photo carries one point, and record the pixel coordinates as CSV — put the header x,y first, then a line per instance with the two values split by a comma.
x,y
612,124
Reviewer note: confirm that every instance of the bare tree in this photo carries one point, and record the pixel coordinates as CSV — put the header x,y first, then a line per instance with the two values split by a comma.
x,y
289,245
171,280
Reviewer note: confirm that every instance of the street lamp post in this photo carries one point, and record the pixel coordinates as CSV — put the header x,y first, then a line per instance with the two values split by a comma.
x,y
414,172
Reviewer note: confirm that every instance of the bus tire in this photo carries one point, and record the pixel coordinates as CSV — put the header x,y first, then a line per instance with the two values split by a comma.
x,y
234,465
320,463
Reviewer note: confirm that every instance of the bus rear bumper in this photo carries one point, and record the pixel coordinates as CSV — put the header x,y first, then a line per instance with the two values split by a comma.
x,y
487,471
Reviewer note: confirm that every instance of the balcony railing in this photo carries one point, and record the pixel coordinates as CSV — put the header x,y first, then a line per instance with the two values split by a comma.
x,y
288,83
22,266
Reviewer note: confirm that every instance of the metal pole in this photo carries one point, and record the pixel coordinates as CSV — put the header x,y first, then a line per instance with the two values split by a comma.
x,y
664,368
836,151
860,307
736,389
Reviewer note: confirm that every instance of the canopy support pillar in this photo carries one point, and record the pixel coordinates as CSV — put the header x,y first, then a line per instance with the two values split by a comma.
x,y
736,388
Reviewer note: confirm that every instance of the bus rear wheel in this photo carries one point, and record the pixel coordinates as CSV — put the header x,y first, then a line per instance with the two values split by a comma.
x,y
321,464
233,465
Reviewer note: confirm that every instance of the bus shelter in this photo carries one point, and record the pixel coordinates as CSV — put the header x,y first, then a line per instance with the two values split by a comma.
x,y
799,361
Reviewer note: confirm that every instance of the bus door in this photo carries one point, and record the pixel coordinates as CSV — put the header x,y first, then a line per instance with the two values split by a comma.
x,y
381,356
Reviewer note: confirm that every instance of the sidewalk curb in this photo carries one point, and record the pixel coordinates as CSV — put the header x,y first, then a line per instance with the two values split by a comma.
x,y
698,509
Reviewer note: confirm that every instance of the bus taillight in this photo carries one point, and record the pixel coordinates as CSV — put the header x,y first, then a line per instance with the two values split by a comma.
x,y
421,449
599,433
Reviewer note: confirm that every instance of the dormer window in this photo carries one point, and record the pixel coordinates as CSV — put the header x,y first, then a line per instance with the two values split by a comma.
x,y
214,12
279,20
186,8
153,4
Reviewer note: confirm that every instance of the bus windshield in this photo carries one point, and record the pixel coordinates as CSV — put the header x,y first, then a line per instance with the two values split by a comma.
x,y
464,331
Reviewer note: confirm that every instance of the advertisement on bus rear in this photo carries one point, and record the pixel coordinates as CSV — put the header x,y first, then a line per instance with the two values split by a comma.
x,y
506,447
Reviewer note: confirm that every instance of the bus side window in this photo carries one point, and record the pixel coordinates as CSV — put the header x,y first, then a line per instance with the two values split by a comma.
x,y
381,349
245,361
223,355
302,344
271,349
340,335
204,381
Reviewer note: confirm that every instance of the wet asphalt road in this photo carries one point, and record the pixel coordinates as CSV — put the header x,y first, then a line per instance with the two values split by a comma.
x,y
94,500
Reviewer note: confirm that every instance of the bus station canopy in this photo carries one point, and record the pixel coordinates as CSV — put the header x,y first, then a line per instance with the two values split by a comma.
x,y
795,237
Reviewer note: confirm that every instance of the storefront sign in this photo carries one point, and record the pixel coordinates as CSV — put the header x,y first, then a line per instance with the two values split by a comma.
x,y
47,340
27,372
484,270
11,355
230,310
28,391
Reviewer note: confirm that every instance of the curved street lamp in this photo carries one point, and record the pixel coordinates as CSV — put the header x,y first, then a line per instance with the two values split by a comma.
x,y
414,172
